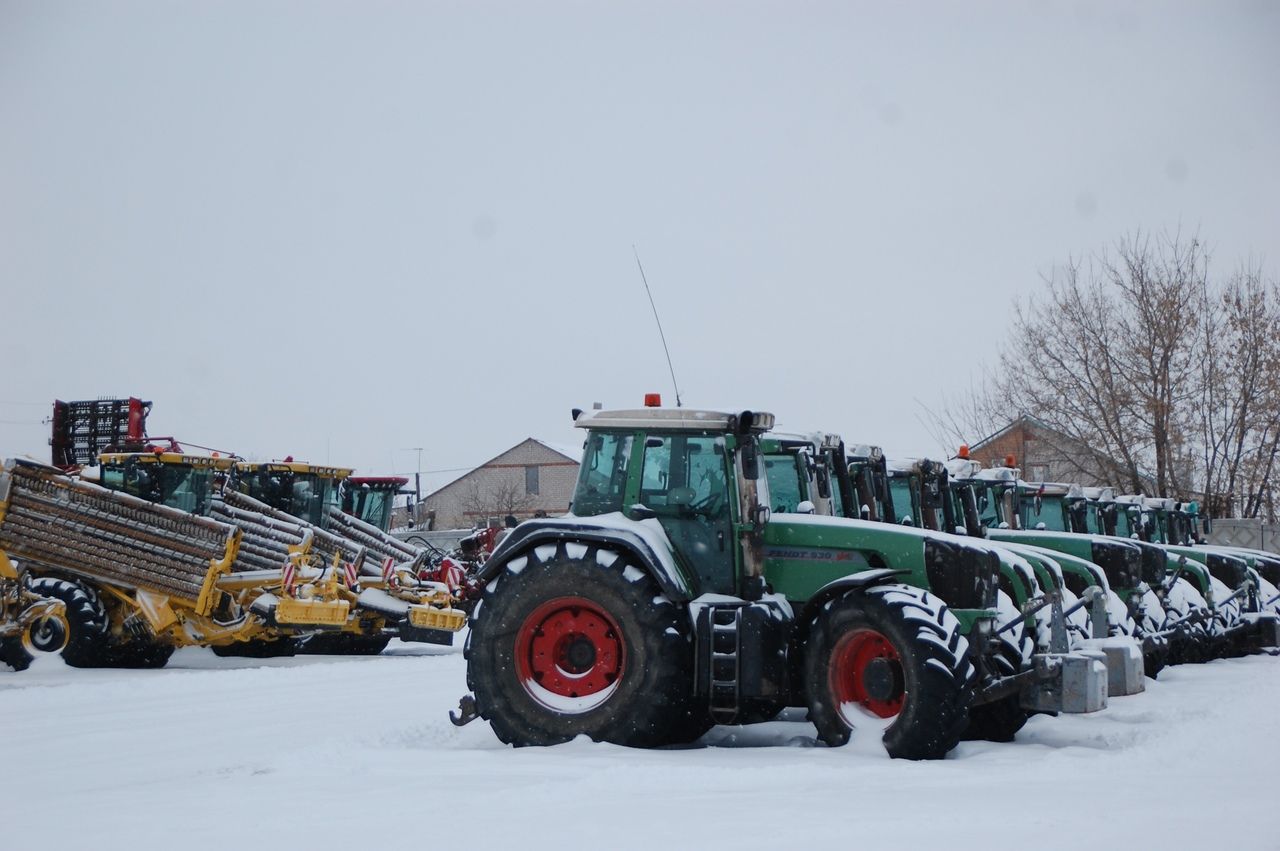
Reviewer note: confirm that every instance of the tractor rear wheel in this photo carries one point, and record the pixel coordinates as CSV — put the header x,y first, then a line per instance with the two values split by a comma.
x,y
889,657
86,620
572,640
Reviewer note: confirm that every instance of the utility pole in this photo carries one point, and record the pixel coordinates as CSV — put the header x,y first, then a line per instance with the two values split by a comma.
x,y
417,483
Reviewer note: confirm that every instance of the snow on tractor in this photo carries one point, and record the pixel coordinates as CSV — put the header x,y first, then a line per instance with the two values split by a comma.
x,y
672,599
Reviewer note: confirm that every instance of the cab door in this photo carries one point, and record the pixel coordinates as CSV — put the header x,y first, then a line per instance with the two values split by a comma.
x,y
685,482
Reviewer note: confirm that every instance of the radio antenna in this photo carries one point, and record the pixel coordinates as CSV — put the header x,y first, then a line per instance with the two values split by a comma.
x,y
659,321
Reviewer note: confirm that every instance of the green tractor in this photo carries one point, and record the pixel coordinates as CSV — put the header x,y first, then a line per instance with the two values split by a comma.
x,y
1242,621
1131,576
1054,592
672,598
816,473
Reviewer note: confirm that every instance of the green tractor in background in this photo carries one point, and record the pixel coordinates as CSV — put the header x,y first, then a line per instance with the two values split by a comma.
x,y
672,598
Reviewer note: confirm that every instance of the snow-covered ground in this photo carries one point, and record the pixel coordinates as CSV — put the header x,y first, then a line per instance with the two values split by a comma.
x,y
342,753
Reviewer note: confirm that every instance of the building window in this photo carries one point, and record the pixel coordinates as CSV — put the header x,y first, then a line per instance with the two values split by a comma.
x,y
1039,472
531,480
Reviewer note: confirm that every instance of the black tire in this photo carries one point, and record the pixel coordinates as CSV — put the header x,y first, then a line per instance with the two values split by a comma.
x,y
609,620
257,649
1192,643
1000,720
343,644
86,620
137,653
928,683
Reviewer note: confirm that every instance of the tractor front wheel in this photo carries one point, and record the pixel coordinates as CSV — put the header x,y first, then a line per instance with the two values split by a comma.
x,y
889,658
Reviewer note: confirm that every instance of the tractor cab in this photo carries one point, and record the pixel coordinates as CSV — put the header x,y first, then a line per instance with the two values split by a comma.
x,y
1134,519
372,498
867,473
921,492
1092,511
302,490
1045,505
802,478
697,473
181,481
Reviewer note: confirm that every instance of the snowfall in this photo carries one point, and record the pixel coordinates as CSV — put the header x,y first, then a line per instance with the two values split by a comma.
x,y
346,752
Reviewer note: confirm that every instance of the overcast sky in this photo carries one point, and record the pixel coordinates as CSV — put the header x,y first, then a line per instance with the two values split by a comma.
x,y
340,230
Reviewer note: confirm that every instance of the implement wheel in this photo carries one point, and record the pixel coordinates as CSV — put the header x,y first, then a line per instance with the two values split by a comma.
x,y
43,636
889,658
571,641
85,624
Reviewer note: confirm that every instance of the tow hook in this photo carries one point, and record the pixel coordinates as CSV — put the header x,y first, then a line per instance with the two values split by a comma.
x,y
466,711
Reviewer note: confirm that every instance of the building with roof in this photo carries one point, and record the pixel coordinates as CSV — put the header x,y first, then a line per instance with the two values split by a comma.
x,y
531,478
1047,455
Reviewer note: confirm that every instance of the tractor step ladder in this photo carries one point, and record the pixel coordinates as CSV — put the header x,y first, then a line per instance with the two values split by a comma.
x,y
724,664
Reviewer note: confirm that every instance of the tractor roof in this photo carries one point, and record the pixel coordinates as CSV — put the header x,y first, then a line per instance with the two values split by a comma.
x,y
1055,489
293,467
216,463
864,452
375,482
674,419
816,439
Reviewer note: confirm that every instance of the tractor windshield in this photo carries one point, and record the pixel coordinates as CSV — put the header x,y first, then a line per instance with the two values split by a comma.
x,y
179,486
904,500
787,485
602,479
1042,512
372,505
304,495
988,504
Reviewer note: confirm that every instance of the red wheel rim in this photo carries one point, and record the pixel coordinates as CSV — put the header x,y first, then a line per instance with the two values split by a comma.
x,y
866,671
570,654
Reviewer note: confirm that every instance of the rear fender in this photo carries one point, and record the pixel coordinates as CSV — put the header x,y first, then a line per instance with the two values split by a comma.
x,y
843,585
617,537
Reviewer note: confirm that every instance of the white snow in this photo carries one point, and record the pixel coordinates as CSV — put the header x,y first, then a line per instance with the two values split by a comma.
x,y
335,753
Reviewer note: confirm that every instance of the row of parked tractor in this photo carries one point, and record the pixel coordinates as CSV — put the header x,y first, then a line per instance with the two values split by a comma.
x,y
712,570
716,570
117,558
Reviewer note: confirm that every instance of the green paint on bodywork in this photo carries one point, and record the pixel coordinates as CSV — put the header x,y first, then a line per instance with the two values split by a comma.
x,y
803,555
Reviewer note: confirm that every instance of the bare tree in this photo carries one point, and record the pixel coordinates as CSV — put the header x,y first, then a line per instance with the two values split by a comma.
x,y
1150,376
1239,408
496,497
